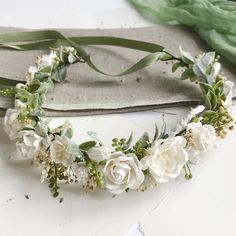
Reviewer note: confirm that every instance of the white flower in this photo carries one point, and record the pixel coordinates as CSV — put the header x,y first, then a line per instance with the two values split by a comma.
x,y
46,60
12,125
29,143
202,139
99,153
81,172
59,153
30,74
166,158
122,172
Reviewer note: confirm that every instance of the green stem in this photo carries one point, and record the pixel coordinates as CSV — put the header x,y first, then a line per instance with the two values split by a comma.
x,y
55,187
188,174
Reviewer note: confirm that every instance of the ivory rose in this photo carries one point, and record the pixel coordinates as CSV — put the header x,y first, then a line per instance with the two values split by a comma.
x,y
122,172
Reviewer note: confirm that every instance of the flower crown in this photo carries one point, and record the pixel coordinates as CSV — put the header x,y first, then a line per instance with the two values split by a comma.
x,y
126,167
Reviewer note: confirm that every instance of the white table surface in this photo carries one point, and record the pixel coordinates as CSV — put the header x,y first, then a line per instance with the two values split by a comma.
x,y
206,205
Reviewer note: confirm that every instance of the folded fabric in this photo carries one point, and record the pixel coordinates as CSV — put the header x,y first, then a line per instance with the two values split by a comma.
x,y
213,20
86,92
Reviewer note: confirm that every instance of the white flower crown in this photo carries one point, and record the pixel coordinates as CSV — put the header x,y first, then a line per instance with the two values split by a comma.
x,y
91,164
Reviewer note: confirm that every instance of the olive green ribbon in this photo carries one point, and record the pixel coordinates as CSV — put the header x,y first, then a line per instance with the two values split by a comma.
x,y
45,39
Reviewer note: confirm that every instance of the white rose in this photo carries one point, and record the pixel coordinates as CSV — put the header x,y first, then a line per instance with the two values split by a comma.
x,y
122,172
99,153
58,151
30,74
202,139
166,158
29,143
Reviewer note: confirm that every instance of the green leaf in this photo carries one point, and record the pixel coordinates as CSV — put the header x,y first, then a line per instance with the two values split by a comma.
x,y
188,73
22,94
95,137
128,142
33,101
205,88
60,74
74,150
166,56
186,57
208,113
208,100
39,75
144,140
156,133
87,145
177,65
43,88
67,132
163,134
214,100
219,84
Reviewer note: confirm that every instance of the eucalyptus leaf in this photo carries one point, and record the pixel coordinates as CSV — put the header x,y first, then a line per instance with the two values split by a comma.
x,y
39,75
87,145
177,65
95,137
33,101
188,73
73,149
60,74
22,94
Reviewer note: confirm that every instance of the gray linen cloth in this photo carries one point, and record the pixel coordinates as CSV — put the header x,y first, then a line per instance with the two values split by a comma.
x,y
86,92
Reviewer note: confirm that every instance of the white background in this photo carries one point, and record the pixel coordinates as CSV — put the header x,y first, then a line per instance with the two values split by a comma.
x,y
206,205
